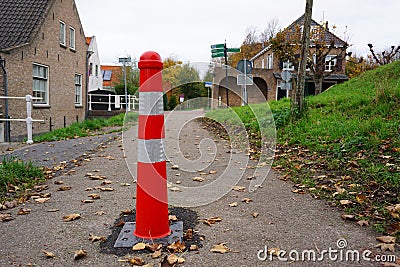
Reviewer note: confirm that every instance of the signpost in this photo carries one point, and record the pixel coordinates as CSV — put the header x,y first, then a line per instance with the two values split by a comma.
x,y
286,76
245,66
220,50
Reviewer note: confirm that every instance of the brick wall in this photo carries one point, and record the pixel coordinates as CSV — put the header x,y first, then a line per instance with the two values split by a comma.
x,y
63,64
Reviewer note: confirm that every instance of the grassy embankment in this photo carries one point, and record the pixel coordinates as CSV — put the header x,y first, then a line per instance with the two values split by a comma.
x,y
346,149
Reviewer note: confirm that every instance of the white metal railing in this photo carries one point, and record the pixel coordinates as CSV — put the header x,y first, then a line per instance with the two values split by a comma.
x,y
133,101
28,120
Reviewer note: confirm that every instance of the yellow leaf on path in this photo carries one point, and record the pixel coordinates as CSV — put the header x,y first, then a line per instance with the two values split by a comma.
x,y
255,214
273,251
71,217
193,248
107,189
220,248
154,247
64,188
6,217
58,182
156,254
239,188
53,210
177,246
42,200
172,218
173,259
198,179
94,196
79,254
175,189
361,198
386,239
95,238
24,211
345,202
212,172
212,220
384,247
233,204
86,201
48,254
246,200
139,246
99,213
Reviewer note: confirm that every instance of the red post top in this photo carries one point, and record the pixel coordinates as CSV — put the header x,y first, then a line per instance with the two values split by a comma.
x,y
150,60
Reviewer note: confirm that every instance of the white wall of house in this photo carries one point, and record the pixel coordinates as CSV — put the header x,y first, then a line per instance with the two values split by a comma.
x,y
95,76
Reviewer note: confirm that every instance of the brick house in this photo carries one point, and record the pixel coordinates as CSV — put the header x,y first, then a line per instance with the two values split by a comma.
x,y
44,51
266,62
267,70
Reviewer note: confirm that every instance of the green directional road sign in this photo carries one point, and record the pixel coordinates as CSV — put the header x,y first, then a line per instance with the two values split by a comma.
x,y
217,50
217,46
233,50
213,55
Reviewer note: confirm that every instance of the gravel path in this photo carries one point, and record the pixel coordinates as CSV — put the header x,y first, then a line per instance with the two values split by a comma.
x,y
271,217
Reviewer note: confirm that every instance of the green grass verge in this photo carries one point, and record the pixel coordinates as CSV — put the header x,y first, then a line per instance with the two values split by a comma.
x,y
85,128
346,147
16,176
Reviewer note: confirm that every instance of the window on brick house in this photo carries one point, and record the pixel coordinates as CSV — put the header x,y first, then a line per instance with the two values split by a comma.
x,y
78,90
330,62
270,61
97,71
287,65
40,88
72,38
62,34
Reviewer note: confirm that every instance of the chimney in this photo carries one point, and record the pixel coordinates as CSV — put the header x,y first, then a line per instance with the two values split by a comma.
x,y
326,26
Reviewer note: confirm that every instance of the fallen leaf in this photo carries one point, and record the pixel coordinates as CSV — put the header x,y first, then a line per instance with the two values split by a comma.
x,y
348,217
177,246
125,184
94,196
95,238
126,212
220,248
255,214
386,239
188,235
106,182
53,210
71,217
156,254
393,228
24,211
345,202
154,247
175,189
198,179
64,188
120,223
173,259
274,251
58,182
299,191
139,246
193,248
40,188
42,200
172,218
212,220
233,204
384,247
6,217
86,201
212,172
246,200
361,198
48,254
107,189
99,213
363,223
175,167
239,188
79,254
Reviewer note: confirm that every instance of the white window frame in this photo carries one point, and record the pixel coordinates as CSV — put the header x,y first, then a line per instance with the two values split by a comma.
x,y
63,38
78,90
330,63
287,65
40,84
270,61
72,38
263,64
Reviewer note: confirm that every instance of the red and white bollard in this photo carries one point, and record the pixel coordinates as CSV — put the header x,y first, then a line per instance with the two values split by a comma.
x,y
152,196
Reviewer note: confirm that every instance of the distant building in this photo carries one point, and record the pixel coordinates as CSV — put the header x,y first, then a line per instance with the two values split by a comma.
x,y
95,76
111,76
43,45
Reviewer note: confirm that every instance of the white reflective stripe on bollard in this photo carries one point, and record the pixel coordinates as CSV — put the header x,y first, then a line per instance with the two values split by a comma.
x,y
151,103
151,151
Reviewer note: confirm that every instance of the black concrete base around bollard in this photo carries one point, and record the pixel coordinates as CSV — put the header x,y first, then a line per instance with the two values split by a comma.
x,y
127,239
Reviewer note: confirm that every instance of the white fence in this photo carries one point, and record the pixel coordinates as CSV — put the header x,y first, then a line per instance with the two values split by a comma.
x,y
28,119
114,100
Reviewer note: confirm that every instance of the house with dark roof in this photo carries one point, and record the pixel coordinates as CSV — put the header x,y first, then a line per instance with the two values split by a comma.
x,y
44,53
333,61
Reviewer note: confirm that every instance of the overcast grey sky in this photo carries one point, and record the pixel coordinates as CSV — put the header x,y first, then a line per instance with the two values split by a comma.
x,y
185,29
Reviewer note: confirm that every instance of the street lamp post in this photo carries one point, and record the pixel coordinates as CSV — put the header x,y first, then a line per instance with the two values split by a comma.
x,y
124,61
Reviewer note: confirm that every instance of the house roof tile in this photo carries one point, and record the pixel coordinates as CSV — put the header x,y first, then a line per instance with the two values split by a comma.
x,y
20,21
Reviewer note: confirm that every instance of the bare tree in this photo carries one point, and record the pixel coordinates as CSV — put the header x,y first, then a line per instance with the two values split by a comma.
x,y
273,27
386,56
